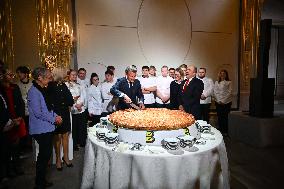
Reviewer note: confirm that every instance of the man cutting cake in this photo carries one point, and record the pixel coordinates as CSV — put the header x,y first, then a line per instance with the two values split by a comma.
x,y
128,89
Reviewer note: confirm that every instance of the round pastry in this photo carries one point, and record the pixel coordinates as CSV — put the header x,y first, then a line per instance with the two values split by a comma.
x,y
151,119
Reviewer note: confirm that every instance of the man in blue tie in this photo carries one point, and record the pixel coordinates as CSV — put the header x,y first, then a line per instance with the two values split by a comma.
x,y
128,89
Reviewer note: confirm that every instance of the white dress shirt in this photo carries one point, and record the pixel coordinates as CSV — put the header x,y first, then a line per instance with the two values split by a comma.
x,y
163,86
94,96
106,96
84,84
147,82
24,88
223,92
77,90
208,90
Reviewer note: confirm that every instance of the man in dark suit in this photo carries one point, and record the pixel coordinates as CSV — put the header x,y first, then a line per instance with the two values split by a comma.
x,y
190,93
128,89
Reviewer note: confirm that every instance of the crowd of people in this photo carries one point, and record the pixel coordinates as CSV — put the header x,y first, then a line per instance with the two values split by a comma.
x,y
49,106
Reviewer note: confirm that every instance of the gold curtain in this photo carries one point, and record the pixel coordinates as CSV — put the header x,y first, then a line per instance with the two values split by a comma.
x,y
6,34
54,33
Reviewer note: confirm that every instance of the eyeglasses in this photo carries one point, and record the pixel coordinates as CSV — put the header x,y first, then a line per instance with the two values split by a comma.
x,y
10,74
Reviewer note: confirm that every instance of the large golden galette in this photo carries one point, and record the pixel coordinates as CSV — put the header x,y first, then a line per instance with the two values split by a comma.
x,y
151,119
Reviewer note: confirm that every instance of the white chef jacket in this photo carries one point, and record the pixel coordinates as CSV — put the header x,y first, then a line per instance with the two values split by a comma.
x,y
77,90
163,85
146,83
106,96
94,97
208,90
223,91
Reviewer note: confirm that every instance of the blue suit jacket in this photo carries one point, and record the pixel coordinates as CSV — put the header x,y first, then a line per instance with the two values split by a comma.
x,y
122,86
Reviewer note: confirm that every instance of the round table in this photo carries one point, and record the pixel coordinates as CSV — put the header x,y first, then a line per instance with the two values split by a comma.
x,y
105,167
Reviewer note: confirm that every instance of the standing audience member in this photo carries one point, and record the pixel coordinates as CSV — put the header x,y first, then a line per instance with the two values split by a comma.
x,y
107,97
128,89
149,87
6,124
223,99
163,89
112,68
25,84
16,107
42,122
79,117
189,97
152,71
62,101
175,88
82,79
94,96
184,68
172,73
205,100
84,83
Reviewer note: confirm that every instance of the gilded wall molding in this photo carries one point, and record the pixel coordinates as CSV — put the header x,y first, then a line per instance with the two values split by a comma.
x,y
250,25
55,33
6,34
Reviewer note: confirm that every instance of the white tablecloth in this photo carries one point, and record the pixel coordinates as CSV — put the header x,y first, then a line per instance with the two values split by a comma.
x,y
205,168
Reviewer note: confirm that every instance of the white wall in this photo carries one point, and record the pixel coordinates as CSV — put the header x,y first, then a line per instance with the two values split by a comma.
x,y
158,32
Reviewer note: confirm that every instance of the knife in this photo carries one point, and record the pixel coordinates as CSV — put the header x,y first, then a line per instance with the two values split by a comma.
x,y
134,106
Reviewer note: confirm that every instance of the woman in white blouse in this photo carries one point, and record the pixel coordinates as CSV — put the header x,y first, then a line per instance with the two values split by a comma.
x,y
223,99
94,96
79,117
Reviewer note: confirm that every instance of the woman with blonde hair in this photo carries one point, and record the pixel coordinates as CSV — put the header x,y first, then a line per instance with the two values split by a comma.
x,y
79,117
62,101
223,99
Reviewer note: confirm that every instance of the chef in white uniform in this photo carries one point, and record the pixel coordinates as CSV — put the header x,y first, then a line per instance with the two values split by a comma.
x,y
94,96
107,97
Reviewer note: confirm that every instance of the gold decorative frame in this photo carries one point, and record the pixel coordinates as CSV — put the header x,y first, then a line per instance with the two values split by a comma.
x,y
250,24
6,34
55,34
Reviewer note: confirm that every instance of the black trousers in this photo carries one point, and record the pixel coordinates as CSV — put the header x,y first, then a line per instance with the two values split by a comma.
x,y
94,120
223,111
163,105
79,129
150,105
4,157
26,141
44,141
205,109
104,114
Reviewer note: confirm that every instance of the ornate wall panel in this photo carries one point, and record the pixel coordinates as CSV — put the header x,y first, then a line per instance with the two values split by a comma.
x,y
55,33
6,33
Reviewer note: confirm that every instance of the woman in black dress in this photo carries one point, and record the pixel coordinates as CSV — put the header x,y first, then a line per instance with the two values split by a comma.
x,y
175,87
62,101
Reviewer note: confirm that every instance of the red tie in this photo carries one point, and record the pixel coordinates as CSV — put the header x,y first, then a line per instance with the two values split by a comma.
x,y
185,85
